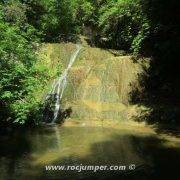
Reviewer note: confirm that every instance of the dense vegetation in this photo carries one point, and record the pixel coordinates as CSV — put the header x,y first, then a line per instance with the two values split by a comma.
x,y
20,77
146,27
161,84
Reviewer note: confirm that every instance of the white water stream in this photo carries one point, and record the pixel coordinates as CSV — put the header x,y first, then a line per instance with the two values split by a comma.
x,y
59,84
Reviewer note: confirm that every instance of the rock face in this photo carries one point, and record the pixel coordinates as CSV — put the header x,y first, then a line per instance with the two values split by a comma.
x,y
99,85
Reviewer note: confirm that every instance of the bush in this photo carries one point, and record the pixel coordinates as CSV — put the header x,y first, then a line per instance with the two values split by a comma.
x,y
19,77
120,22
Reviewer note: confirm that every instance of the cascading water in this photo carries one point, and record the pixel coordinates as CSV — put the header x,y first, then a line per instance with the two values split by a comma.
x,y
59,85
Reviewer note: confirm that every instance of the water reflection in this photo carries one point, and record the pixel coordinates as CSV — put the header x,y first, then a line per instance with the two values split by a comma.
x,y
25,154
13,150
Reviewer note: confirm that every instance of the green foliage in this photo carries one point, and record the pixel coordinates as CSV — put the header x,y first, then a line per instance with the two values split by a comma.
x,y
19,76
55,18
120,22
137,44
15,12
84,12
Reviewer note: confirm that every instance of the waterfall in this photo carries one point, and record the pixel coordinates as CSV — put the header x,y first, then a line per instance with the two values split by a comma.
x,y
59,85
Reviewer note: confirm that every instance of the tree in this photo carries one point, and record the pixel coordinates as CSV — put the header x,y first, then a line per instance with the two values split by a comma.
x,y
19,77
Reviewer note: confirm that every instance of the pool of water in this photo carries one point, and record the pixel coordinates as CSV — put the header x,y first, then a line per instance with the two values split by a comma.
x,y
25,154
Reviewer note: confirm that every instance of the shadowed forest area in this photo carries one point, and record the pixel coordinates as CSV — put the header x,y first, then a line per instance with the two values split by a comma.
x,y
161,83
